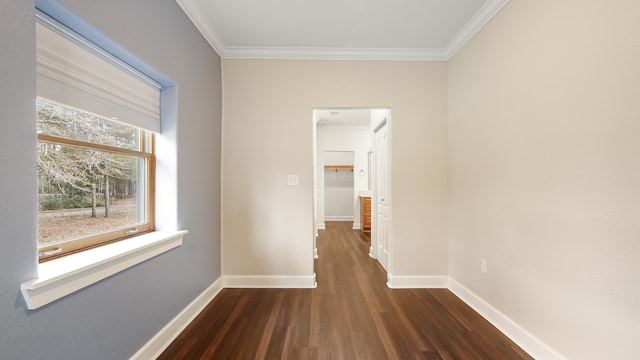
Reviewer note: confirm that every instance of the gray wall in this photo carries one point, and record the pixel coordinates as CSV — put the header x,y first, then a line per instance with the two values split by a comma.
x,y
114,318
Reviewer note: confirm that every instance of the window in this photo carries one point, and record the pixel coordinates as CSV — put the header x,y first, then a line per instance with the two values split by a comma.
x,y
96,118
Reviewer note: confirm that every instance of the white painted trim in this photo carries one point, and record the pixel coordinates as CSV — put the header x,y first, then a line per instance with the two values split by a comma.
x,y
159,343
252,282
195,14
315,253
301,53
417,282
356,226
490,9
338,218
321,226
60,277
527,341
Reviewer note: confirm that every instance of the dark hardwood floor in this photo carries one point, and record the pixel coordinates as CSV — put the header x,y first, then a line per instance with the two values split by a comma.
x,y
350,315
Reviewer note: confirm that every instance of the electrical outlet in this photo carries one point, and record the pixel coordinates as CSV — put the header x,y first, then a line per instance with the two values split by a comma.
x,y
483,266
293,180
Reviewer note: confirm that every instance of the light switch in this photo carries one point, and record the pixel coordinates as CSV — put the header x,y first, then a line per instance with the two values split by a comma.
x,y
293,180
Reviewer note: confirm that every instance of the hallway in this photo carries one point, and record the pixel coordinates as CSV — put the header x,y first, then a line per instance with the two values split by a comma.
x,y
352,314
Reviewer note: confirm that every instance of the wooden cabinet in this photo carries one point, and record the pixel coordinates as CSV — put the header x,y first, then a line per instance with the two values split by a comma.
x,y
365,213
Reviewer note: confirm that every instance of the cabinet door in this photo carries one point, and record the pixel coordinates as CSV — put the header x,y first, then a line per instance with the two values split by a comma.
x,y
365,213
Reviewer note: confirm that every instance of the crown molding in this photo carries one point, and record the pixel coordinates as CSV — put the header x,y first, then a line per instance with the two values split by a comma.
x,y
490,9
195,14
477,22
334,54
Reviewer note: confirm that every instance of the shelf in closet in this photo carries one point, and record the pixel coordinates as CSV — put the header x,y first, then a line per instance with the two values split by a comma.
x,y
338,167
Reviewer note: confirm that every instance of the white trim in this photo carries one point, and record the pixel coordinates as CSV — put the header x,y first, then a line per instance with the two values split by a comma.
x,y
287,53
60,277
195,14
159,343
315,253
356,226
475,24
527,341
417,282
254,282
321,226
338,218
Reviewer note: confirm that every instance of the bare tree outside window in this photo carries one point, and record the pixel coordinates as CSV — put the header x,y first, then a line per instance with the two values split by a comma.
x,y
78,181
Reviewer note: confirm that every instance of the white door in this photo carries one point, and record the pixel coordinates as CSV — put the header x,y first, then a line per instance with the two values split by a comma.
x,y
382,195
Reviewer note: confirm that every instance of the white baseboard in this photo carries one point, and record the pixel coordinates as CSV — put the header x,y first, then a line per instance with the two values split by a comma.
x,y
338,218
315,253
529,343
270,281
417,282
356,226
321,226
154,347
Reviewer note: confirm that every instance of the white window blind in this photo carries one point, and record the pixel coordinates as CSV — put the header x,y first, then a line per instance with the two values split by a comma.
x,y
74,72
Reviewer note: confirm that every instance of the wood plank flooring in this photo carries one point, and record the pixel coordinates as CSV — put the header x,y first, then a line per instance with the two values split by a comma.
x,y
352,314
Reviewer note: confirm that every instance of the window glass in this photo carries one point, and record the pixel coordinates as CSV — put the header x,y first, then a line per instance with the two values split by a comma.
x,y
61,121
91,178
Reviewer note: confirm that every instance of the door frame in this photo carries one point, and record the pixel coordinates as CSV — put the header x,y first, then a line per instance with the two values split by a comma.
x,y
382,112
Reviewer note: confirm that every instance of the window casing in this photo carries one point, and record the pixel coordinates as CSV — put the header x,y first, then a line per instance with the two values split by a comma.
x,y
96,164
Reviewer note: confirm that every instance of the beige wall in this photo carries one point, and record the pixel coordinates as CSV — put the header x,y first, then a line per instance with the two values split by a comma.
x,y
544,132
267,134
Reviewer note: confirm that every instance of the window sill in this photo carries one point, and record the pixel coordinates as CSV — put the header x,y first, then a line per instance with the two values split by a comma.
x,y
60,277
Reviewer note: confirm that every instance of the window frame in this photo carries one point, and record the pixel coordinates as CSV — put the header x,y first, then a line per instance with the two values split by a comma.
x,y
146,151
66,247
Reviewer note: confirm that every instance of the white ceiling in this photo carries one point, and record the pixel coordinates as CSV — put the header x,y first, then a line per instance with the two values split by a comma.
x,y
331,118
432,30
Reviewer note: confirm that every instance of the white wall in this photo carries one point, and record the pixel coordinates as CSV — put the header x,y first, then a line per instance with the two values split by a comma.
x,y
341,157
544,131
354,140
268,226
338,187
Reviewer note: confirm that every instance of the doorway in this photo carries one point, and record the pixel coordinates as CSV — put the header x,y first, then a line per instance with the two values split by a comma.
x,y
339,186
353,131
